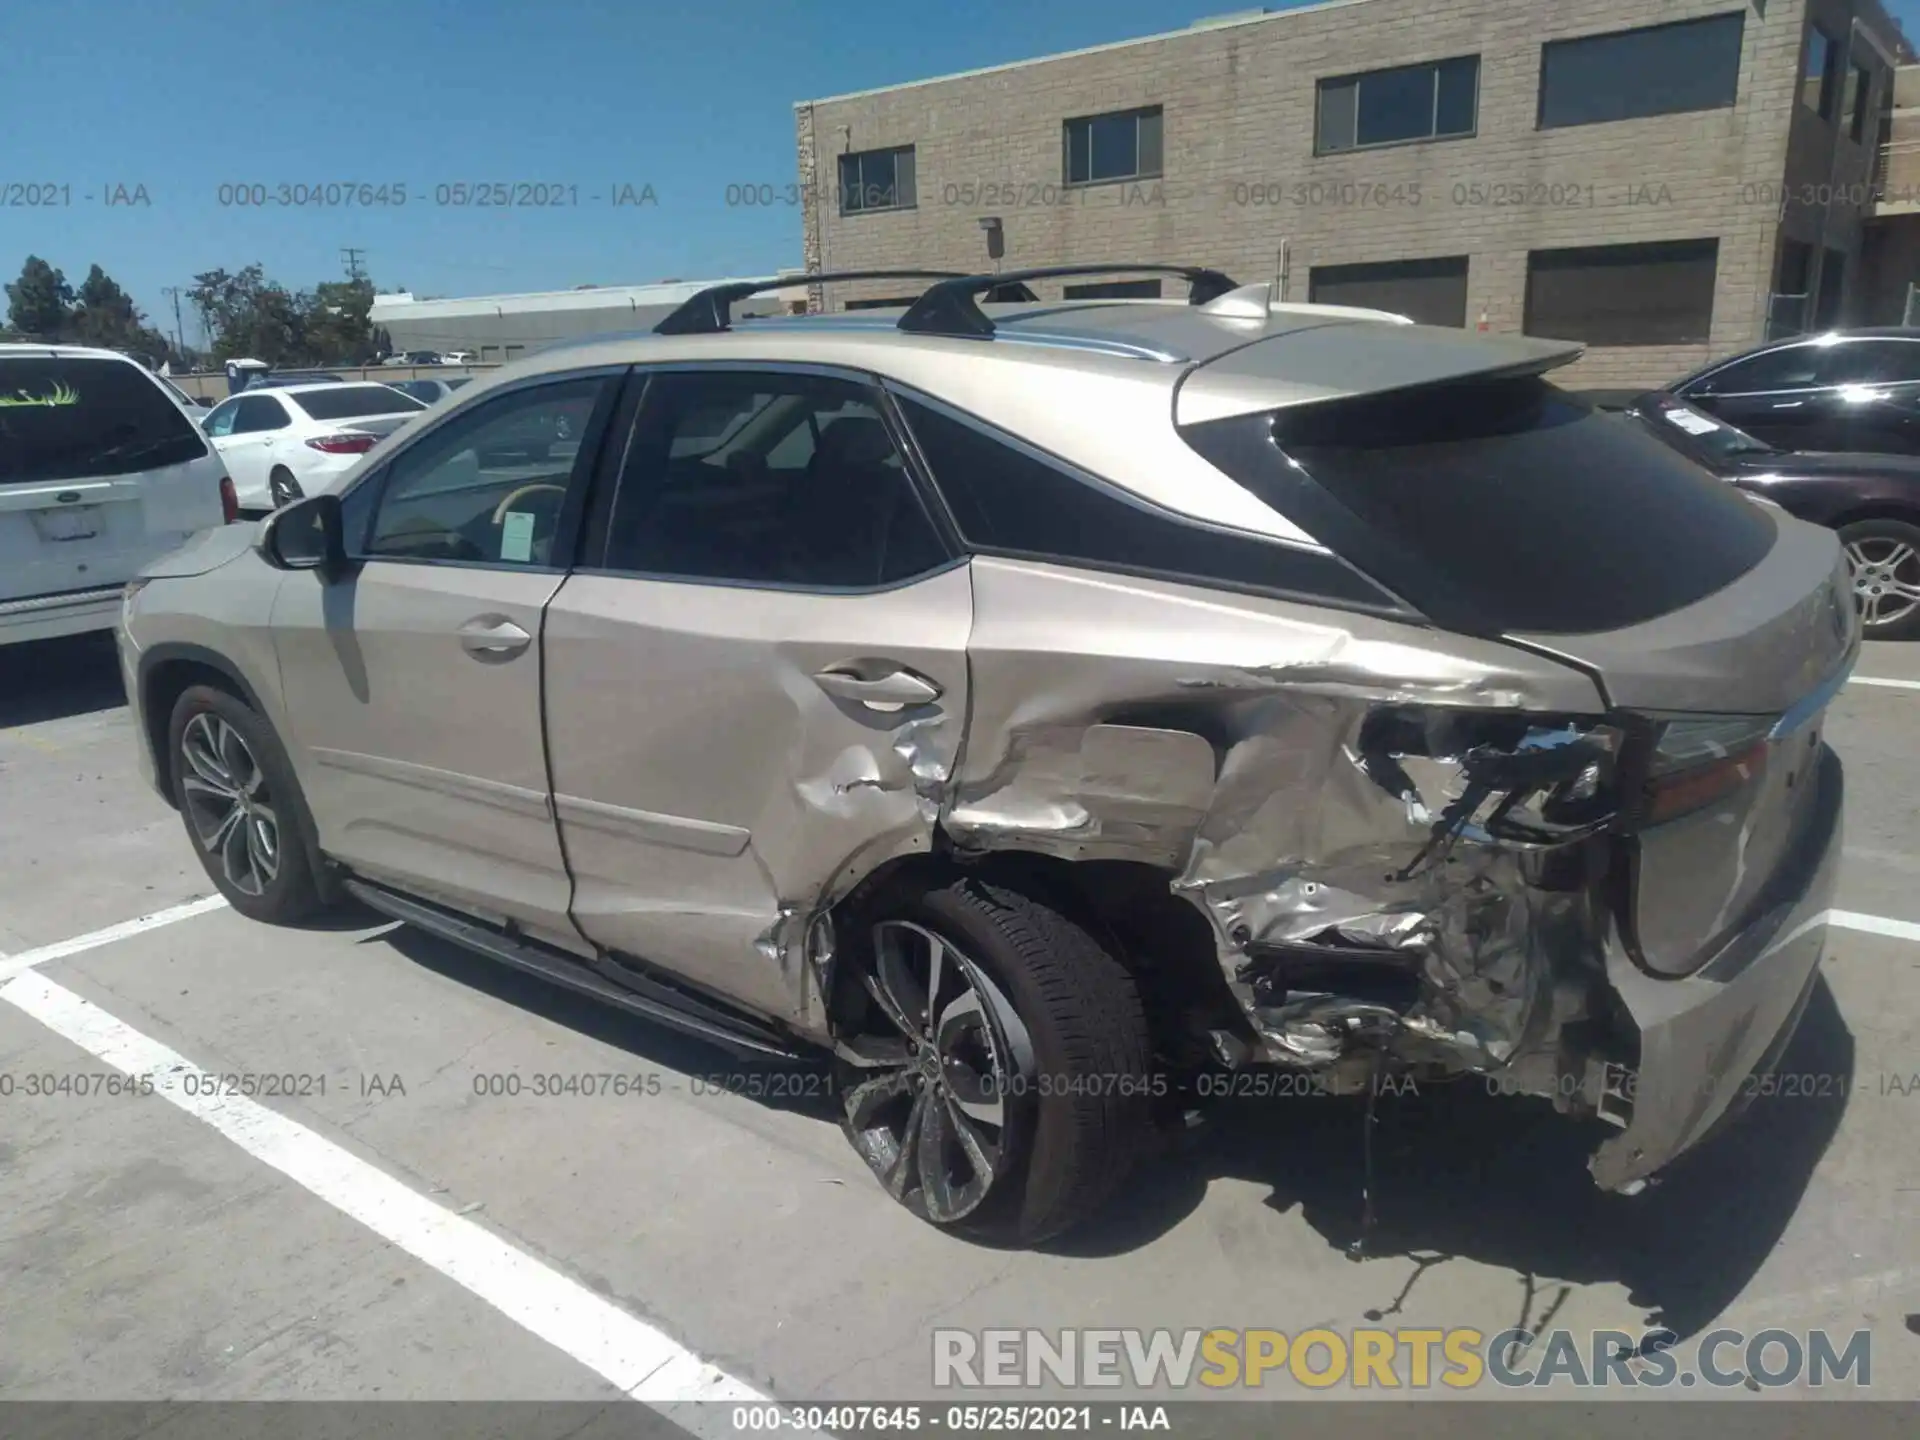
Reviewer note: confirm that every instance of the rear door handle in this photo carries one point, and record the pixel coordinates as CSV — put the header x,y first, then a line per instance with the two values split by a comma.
x,y
895,688
492,635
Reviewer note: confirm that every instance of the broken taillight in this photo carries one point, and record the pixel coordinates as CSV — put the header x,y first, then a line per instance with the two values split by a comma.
x,y
1699,761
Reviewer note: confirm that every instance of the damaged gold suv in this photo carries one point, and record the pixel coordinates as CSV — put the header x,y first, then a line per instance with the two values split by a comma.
x,y
1030,709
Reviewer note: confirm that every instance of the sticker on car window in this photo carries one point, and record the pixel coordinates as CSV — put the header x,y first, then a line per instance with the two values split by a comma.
x,y
516,535
1693,424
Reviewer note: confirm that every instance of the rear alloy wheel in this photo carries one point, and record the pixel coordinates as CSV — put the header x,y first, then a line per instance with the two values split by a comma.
x,y
241,806
992,1062
283,487
1884,556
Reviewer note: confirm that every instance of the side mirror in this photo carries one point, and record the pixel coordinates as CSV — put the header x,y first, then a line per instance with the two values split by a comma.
x,y
306,535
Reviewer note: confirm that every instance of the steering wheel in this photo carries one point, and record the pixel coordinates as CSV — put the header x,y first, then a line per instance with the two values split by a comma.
x,y
500,510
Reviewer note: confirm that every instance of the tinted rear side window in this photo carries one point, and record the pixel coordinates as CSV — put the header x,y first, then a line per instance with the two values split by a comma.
x,y
347,402
1500,506
69,417
1007,499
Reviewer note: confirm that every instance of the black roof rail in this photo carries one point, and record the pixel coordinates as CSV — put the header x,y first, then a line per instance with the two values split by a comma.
x,y
711,310
951,307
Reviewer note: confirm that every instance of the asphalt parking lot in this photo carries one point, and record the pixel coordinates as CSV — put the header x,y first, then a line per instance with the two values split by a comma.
x,y
394,1225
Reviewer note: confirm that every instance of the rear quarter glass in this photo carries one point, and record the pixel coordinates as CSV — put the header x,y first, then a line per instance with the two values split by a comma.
x,y
1498,506
76,417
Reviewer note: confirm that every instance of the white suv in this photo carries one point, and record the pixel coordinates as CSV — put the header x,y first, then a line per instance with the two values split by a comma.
x,y
101,471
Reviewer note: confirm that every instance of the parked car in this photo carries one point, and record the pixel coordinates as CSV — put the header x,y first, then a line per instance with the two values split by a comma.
x,y
1046,717
1848,390
456,357
101,471
279,443
429,391
1872,500
422,357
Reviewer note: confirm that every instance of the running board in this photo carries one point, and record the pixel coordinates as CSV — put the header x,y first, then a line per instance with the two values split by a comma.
x,y
658,1004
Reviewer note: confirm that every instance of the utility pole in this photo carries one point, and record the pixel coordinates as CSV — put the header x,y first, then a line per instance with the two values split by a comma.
x,y
352,257
172,292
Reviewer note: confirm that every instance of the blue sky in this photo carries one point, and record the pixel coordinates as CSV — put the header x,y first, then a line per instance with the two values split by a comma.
x,y
184,97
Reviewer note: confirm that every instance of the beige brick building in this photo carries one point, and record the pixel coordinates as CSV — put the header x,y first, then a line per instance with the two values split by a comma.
x,y
1655,177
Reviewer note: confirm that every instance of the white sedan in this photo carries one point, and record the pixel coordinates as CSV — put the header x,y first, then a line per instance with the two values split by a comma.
x,y
279,444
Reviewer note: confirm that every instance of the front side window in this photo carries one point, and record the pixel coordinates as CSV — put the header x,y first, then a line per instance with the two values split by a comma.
x,y
258,414
1123,145
72,417
490,486
219,421
782,480
1432,101
1792,367
877,180
1660,70
1816,80
1659,293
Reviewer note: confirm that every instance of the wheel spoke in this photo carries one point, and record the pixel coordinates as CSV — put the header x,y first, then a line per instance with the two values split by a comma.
x,y
888,1007
907,1002
873,1052
977,1096
1870,609
200,748
982,1154
864,1099
1898,556
936,1185
936,965
216,841
905,1164
964,1014
263,852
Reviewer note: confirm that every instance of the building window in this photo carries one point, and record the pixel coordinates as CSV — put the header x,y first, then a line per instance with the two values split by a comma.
x,y
1816,81
1652,294
898,302
1434,101
877,180
1658,70
1114,290
1124,145
1832,288
1859,88
1428,292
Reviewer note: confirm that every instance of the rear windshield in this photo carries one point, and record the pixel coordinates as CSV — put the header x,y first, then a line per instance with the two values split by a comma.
x,y
347,402
74,418
1501,506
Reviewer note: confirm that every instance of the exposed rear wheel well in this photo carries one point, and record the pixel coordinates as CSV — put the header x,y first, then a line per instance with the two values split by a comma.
x,y
1164,941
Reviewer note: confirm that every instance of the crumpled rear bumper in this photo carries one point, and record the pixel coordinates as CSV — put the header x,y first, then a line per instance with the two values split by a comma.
x,y
1705,1040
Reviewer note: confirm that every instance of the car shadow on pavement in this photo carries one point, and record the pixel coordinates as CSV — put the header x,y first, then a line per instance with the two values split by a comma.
x,y
1461,1173
1458,1172
55,679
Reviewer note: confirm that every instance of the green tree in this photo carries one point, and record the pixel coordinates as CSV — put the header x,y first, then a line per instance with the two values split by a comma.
x,y
336,330
246,315
39,303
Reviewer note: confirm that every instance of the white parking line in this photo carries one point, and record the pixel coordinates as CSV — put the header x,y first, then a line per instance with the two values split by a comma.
x,y
27,959
642,1361
1889,684
1874,924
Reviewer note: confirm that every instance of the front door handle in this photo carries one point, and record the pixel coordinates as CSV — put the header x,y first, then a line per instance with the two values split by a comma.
x,y
895,688
493,636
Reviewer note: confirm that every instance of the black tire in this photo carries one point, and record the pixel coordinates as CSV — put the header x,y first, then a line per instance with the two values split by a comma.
x,y
1875,541
282,487
288,888
1078,1077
